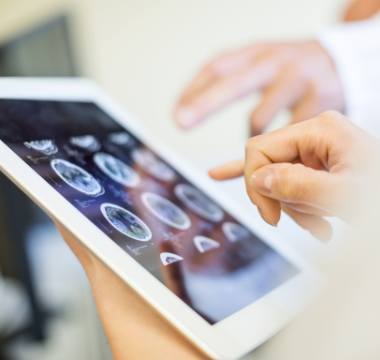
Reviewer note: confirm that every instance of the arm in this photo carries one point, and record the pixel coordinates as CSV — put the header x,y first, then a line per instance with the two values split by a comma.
x,y
297,76
133,329
339,71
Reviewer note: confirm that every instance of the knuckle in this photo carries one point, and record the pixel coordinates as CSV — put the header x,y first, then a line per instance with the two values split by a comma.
x,y
216,65
294,67
331,117
330,122
210,68
249,145
252,143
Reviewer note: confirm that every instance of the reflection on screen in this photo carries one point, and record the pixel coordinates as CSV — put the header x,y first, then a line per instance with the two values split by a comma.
x,y
183,238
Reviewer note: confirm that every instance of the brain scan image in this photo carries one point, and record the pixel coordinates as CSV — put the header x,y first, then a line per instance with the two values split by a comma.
x,y
198,203
46,147
169,258
117,170
76,177
120,138
203,243
166,211
152,165
126,222
86,142
235,232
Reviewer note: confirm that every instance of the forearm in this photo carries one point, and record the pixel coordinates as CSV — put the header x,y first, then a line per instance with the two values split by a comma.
x,y
133,329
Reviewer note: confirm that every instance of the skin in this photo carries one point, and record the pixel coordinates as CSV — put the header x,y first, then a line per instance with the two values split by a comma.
x,y
326,152
361,10
317,168
133,329
297,76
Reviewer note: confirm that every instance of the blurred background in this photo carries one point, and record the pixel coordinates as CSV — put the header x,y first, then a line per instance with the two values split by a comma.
x,y
142,52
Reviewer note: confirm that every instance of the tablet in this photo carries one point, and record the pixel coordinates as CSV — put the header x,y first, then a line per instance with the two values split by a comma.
x,y
163,227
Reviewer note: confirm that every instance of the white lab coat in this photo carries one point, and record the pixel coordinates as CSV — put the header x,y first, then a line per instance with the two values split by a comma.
x,y
355,50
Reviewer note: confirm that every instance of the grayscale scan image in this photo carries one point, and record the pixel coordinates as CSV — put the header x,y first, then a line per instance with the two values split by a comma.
x,y
126,222
76,177
156,216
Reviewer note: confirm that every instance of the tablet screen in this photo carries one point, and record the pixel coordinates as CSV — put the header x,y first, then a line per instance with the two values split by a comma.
x,y
163,221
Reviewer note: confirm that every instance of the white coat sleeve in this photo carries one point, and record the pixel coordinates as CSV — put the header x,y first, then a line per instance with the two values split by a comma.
x,y
355,49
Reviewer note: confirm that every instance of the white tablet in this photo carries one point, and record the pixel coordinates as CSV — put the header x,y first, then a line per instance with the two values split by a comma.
x,y
160,225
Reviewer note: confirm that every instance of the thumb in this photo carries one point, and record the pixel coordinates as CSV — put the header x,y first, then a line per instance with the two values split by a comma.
x,y
298,184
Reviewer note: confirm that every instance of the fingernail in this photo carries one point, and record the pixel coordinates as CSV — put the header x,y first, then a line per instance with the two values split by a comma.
x,y
187,117
265,218
261,180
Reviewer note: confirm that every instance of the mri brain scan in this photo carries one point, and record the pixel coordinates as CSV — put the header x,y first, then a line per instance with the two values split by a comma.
x,y
169,258
126,222
120,138
166,211
152,165
76,177
87,142
46,147
198,203
204,244
116,170
235,232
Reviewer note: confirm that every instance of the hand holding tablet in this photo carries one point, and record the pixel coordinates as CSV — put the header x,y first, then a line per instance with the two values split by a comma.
x,y
130,324
225,282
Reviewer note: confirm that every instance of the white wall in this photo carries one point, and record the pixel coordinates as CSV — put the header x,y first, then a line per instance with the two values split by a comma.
x,y
144,51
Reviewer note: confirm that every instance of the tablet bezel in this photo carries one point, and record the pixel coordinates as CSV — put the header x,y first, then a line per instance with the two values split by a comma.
x,y
230,338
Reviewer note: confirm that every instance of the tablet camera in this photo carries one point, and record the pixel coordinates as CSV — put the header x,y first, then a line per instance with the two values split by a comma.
x,y
46,147
169,258
126,222
117,170
166,211
235,232
198,203
204,244
86,142
152,165
76,177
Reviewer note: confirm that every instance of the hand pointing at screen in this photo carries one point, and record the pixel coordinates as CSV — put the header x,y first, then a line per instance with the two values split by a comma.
x,y
297,76
321,167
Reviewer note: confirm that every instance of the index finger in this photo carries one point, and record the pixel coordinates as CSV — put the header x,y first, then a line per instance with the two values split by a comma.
x,y
305,142
224,65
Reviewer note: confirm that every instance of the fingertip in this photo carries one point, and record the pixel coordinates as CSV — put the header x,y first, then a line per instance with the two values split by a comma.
x,y
323,232
213,173
269,209
272,222
186,117
218,173
228,171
